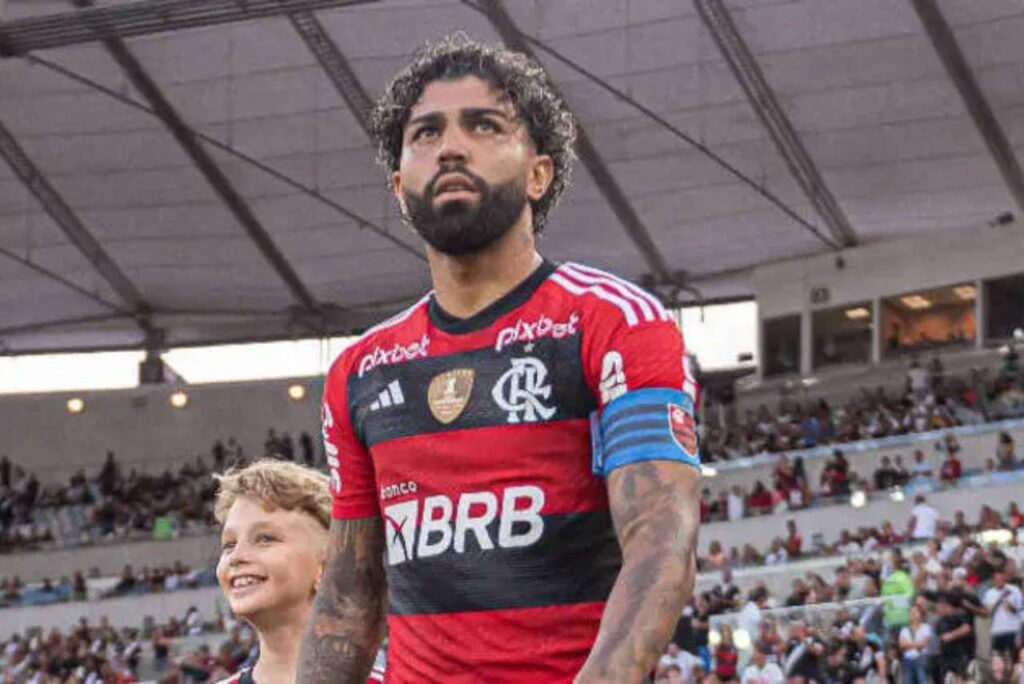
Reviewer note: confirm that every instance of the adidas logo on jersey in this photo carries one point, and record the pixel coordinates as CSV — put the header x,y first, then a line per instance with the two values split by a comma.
x,y
436,524
389,396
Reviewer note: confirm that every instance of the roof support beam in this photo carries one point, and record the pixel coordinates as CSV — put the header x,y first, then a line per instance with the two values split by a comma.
x,y
144,17
202,160
591,158
335,65
776,122
67,220
944,42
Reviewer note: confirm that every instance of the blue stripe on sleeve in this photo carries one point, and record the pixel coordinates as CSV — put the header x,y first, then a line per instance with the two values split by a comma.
x,y
636,427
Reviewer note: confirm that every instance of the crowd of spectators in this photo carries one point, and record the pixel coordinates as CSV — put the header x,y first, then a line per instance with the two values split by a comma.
x,y
101,654
121,504
790,487
928,400
950,597
922,525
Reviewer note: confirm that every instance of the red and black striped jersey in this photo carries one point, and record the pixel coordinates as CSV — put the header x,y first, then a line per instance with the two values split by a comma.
x,y
471,438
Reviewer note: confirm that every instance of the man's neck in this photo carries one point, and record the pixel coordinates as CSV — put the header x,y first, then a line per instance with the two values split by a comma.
x,y
466,285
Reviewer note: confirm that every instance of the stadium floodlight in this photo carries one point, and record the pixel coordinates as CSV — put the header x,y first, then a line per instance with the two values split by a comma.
x,y
1001,537
858,313
75,405
179,399
915,301
965,292
741,639
297,392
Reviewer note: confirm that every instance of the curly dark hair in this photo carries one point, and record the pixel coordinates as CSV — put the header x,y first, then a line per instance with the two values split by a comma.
x,y
522,81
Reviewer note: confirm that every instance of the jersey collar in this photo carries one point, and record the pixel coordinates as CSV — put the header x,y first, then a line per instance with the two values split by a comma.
x,y
515,298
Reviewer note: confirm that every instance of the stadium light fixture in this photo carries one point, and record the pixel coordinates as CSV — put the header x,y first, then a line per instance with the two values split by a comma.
x,y
297,392
965,292
75,405
1001,537
915,302
179,400
741,639
858,313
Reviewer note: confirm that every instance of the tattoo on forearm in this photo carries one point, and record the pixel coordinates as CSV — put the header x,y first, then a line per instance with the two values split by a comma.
x,y
341,642
656,516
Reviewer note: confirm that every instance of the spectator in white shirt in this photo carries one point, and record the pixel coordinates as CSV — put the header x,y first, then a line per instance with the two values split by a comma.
x,y
922,469
848,545
735,505
760,671
918,379
749,618
778,554
1005,603
681,659
923,521
915,639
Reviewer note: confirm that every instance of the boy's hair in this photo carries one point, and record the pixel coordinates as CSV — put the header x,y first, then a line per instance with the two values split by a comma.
x,y
278,484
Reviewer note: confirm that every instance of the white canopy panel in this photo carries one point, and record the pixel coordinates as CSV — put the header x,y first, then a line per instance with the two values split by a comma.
x,y
862,85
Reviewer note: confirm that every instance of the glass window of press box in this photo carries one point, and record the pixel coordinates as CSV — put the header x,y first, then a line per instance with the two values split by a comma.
x,y
842,334
781,344
1004,308
930,319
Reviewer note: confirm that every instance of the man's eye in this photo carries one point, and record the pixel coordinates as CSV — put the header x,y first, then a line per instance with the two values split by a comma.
x,y
424,132
227,546
265,539
485,126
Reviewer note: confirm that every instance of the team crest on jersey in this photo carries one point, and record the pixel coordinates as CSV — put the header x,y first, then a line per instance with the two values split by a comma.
x,y
683,428
522,391
448,394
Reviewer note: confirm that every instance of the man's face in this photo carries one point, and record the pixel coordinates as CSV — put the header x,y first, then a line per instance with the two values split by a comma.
x,y
468,166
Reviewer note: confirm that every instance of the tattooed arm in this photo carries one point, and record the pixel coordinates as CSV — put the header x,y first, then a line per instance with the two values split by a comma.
x,y
341,641
656,510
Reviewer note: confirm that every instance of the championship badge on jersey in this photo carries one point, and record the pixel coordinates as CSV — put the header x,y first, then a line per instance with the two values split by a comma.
x,y
683,429
449,393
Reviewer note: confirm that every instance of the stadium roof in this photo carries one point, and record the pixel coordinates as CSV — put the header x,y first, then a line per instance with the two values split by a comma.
x,y
193,171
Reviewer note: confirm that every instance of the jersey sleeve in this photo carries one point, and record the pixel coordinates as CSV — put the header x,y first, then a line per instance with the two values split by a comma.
x,y
636,366
353,482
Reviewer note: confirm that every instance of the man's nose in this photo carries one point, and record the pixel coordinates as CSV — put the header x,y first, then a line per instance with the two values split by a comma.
x,y
454,147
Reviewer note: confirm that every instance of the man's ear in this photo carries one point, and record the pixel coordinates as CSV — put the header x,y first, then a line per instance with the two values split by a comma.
x,y
396,189
542,174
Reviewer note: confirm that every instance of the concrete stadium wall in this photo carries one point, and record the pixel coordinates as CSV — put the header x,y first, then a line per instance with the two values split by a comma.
x,y
891,267
37,431
129,611
199,551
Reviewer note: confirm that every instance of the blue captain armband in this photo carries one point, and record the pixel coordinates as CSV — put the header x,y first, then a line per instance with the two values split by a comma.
x,y
644,425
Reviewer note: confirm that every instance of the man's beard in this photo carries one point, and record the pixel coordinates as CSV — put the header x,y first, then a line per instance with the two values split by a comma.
x,y
458,227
